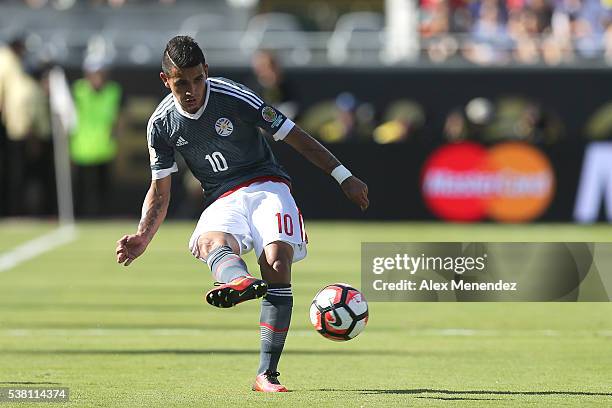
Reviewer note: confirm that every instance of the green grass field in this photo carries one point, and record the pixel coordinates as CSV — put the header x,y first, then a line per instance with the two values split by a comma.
x,y
142,336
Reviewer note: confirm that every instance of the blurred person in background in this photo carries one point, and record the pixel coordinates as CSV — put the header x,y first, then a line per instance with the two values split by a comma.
x,y
580,25
608,44
92,144
523,28
403,121
11,68
42,193
455,126
22,126
352,122
269,81
469,122
38,193
440,20
557,47
506,118
522,118
598,126
489,42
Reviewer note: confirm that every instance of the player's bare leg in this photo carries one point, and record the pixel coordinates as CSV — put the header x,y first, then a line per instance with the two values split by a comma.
x,y
221,252
276,307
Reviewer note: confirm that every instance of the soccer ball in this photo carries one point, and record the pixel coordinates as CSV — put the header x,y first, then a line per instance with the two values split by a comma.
x,y
339,312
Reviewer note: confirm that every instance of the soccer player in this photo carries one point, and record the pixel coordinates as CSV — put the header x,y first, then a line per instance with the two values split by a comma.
x,y
213,123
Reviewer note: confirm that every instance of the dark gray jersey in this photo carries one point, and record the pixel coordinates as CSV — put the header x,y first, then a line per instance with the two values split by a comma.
x,y
220,143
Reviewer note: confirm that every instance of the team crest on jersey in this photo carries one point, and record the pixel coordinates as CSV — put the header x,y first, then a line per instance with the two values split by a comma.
x,y
269,114
224,127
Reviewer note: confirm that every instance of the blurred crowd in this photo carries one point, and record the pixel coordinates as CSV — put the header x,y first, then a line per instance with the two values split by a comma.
x,y
483,32
497,32
346,118
506,118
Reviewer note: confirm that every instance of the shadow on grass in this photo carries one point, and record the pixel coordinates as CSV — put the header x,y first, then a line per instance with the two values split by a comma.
x,y
473,392
466,399
205,351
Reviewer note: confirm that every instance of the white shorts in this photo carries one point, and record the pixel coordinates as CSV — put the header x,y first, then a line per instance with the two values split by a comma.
x,y
256,215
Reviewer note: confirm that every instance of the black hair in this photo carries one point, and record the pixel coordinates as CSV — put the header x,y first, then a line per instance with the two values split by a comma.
x,y
182,52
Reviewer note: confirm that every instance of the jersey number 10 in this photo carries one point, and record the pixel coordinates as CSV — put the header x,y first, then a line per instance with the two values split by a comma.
x,y
217,161
284,220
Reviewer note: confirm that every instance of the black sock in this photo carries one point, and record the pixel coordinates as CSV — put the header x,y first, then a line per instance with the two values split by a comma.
x,y
274,324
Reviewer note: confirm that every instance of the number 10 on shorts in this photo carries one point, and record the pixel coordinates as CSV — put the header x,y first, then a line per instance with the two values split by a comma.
x,y
285,222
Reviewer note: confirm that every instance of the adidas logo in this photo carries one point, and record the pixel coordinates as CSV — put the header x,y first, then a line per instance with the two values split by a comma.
x,y
181,141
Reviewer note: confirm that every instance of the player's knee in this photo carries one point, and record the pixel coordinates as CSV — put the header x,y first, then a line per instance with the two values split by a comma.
x,y
276,262
281,266
280,262
206,244
279,257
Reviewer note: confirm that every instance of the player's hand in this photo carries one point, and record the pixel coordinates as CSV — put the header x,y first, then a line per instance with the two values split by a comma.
x,y
130,247
356,191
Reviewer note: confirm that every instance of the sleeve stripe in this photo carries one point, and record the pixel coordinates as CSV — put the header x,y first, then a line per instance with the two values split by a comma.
x,y
256,101
163,104
163,107
161,173
159,112
284,130
236,96
219,82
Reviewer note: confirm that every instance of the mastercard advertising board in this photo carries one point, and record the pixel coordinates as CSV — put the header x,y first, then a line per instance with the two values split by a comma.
x,y
508,182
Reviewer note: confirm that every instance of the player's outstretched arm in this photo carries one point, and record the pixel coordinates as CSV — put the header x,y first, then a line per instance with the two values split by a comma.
x,y
154,210
355,189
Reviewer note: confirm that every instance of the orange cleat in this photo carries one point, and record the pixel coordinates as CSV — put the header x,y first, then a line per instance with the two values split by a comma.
x,y
268,382
238,290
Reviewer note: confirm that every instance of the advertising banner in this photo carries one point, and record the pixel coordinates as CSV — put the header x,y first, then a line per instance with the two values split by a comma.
x,y
509,182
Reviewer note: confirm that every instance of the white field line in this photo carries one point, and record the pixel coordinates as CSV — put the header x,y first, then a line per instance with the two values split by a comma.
x,y
298,332
36,247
